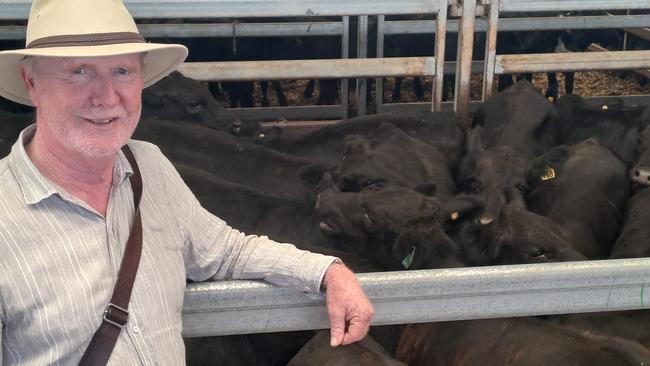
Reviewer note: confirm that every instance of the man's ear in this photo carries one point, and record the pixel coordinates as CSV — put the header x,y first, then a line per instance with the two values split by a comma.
x,y
28,79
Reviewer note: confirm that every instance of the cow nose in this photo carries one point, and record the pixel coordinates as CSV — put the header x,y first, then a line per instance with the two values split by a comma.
x,y
640,176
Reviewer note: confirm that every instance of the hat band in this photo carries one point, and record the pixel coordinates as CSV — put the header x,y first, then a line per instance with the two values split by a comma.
x,y
94,39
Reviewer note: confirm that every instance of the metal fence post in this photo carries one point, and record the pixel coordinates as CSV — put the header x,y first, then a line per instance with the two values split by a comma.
x,y
379,82
345,53
490,49
362,52
440,37
464,59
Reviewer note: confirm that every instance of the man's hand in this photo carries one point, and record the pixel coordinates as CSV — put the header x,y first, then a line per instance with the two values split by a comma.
x,y
349,309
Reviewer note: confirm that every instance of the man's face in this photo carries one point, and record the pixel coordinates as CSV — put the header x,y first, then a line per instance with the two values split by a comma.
x,y
89,106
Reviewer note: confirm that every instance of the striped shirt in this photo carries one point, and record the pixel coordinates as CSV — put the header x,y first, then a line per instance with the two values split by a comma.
x,y
59,260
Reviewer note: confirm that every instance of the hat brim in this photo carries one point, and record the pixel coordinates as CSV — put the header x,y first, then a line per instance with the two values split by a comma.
x,y
161,60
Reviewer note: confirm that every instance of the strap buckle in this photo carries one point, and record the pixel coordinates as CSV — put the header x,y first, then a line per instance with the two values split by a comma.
x,y
116,315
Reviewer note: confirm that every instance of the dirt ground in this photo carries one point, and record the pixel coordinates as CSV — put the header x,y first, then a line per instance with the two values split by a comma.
x,y
593,83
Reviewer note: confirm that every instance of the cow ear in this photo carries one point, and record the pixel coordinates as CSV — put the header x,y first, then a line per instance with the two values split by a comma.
x,y
461,209
474,141
427,189
311,176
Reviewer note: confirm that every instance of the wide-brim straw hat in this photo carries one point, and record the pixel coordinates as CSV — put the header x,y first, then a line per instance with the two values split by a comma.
x,y
84,28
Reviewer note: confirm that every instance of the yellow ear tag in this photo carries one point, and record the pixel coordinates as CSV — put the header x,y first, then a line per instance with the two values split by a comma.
x,y
605,107
548,174
454,216
550,99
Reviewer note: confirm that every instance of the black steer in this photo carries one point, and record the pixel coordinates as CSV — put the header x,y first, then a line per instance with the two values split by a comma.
x,y
391,157
177,97
230,158
513,341
613,125
583,188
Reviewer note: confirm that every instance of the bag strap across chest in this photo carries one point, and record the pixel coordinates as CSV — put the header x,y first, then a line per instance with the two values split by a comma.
x,y
116,314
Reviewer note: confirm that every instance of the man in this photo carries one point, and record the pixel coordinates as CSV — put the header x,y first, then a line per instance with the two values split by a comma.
x,y
66,205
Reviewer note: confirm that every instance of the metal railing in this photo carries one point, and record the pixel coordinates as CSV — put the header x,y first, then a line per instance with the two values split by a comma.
x,y
511,64
236,307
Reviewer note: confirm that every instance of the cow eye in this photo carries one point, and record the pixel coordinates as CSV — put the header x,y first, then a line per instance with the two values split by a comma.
x,y
540,255
367,183
194,105
522,187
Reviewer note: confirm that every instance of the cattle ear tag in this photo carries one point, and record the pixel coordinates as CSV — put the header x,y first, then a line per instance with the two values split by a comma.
x,y
550,99
548,174
408,260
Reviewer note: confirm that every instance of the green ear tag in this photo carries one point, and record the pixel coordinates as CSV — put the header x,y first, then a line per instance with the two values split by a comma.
x,y
408,260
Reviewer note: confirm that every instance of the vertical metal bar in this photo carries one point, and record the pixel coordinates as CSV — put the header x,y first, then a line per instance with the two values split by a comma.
x,y
490,49
379,82
345,53
440,37
464,59
362,52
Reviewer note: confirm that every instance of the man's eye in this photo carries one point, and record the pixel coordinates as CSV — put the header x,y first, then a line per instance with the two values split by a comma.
x,y
123,71
80,71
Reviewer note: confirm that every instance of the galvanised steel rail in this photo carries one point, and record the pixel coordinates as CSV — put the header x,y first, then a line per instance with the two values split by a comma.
x,y
201,9
236,307
518,6
324,28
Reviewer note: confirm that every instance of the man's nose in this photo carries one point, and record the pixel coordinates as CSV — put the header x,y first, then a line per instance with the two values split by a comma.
x,y
104,91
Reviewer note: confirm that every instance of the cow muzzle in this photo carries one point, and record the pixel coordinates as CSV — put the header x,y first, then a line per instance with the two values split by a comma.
x,y
640,175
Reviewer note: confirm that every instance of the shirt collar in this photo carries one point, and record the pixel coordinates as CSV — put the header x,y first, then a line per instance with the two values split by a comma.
x,y
34,185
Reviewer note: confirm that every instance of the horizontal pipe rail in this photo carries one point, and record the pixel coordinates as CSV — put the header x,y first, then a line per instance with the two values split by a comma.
x,y
289,29
506,6
309,69
237,307
201,9
613,60
524,24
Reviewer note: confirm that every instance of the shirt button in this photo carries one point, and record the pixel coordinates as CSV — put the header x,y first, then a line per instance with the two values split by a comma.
x,y
136,329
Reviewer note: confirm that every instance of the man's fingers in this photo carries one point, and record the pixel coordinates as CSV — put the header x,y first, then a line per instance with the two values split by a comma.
x,y
337,325
356,331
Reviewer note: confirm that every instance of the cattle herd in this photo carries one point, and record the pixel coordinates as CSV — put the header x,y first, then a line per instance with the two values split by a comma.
x,y
527,181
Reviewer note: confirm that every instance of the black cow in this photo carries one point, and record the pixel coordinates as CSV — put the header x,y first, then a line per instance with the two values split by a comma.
x,y
498,175
583,188
177,97
390,157
613,125
513,341
440,129
288,220
515,236
318,352
633,241
509,129
230,158
640,172
519,117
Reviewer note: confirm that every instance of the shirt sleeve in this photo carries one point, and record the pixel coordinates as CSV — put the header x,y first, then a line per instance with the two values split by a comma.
x,y
214,250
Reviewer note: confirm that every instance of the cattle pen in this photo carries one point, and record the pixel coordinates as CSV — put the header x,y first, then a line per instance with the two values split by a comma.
x,y
240,307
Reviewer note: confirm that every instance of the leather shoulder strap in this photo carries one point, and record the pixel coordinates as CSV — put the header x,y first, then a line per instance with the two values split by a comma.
x,y
116,314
